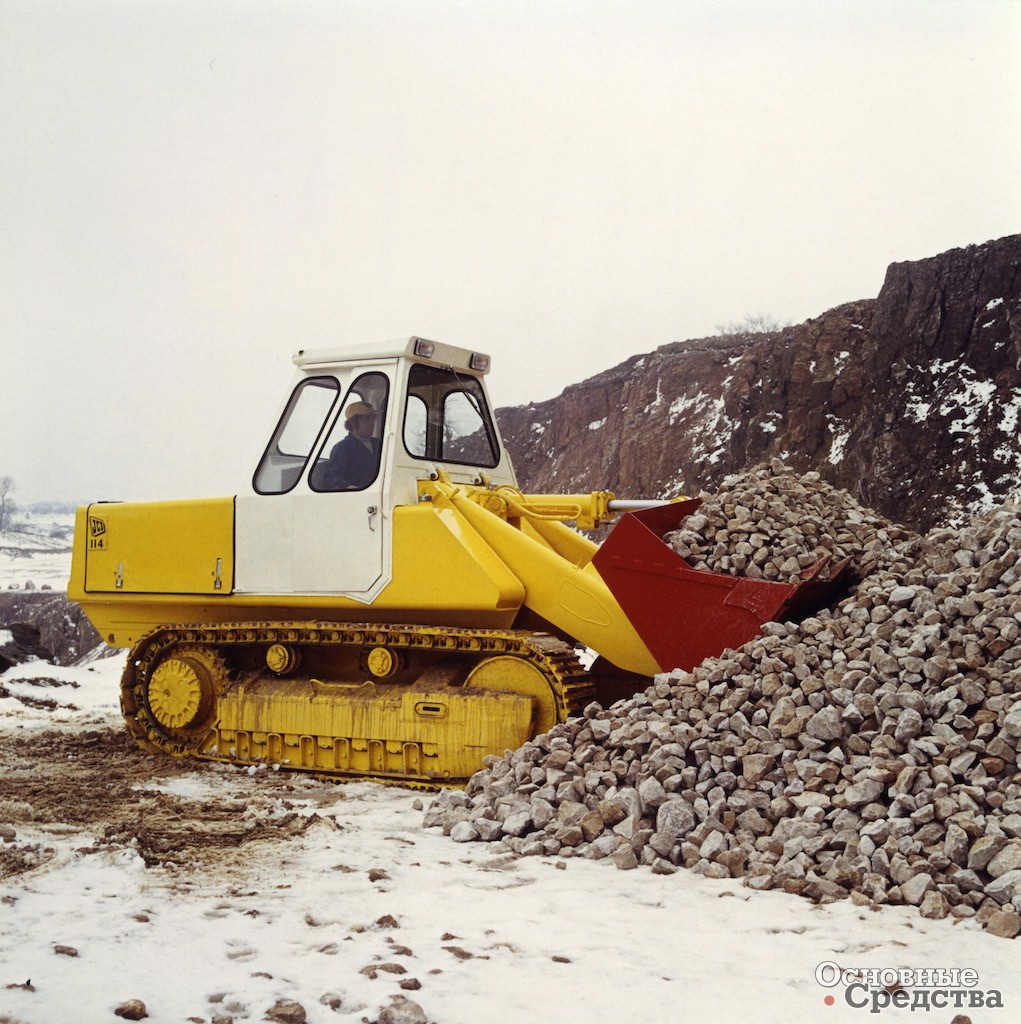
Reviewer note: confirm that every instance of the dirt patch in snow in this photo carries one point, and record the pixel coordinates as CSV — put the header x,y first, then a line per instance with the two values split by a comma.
x,y
99,782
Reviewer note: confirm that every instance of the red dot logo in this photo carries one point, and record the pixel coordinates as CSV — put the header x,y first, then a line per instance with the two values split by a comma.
x,y
829,1000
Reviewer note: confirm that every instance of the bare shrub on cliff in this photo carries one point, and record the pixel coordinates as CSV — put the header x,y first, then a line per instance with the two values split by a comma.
x,y
752,323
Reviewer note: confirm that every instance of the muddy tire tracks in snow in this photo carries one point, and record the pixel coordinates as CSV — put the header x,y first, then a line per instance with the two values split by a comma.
x,y
100,784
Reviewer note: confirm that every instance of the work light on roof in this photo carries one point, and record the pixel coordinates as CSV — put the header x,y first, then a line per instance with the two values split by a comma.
x,y
424,348
479,362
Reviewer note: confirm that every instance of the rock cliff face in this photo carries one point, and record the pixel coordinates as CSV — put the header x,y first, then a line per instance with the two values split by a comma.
x,y
909,401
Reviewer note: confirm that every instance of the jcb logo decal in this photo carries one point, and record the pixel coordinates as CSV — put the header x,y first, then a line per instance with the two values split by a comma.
x,y
97,534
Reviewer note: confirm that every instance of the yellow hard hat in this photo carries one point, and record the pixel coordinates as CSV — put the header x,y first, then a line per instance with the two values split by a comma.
x,y
358,409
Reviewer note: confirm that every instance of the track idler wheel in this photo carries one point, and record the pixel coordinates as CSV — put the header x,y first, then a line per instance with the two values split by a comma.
x,y
515,675
180,693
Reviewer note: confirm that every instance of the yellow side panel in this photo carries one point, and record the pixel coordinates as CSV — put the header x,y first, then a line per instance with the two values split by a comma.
x,y
160,547
440,564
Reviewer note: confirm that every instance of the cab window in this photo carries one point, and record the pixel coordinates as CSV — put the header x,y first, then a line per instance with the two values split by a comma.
x,y
349,458
446,418
289,448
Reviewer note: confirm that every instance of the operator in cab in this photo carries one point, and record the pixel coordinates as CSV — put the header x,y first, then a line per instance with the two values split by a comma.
x,y
354,461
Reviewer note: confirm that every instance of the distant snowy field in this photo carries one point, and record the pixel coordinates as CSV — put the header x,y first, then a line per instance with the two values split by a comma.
x,y
345,896
39,553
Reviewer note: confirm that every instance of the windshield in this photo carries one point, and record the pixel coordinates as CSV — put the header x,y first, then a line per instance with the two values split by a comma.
x,y
446,418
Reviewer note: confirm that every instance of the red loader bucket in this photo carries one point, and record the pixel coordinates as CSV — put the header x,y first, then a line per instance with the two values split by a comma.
x,y
686,615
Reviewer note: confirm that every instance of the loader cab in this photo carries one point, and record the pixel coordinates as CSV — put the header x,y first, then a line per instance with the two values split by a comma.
x,y
357,433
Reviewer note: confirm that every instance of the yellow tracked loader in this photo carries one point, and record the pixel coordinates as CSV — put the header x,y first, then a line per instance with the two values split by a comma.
x,y
385,602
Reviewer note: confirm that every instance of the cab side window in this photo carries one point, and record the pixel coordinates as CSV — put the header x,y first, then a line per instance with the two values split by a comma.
x,y
349,458
289,448
416,416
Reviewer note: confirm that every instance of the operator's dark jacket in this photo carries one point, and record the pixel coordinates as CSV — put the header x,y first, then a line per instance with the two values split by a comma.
x,y
352,466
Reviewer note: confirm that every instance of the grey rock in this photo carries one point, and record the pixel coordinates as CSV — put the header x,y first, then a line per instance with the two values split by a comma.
x,y
403,1011
915,888
933,906
651,793
909,725
628,827
1008,859
675,817
755,767
1002,889
861,793
983,850
715,843
826,724
464,832
955,844
1011,825
517,824
871,748
542,812
488,829
625,858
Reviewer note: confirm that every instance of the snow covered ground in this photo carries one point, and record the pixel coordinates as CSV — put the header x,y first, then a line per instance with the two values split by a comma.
x,y
214,894
38,554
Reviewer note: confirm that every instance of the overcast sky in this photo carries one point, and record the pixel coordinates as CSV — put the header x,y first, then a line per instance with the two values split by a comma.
x,y
193,190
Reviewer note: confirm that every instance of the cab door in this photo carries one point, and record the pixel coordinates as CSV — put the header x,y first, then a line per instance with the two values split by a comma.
x,y
315,525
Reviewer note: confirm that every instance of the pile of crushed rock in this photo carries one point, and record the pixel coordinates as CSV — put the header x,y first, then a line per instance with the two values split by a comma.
x,y
870,751
771,524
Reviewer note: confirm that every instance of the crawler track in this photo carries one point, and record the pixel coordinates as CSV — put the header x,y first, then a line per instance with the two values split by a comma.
x,y
417,705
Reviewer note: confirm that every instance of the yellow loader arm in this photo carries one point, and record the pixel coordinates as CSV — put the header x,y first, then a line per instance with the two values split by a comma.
x,y
552,561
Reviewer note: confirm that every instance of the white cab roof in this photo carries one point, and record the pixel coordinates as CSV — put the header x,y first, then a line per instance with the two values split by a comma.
x,y
420,349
